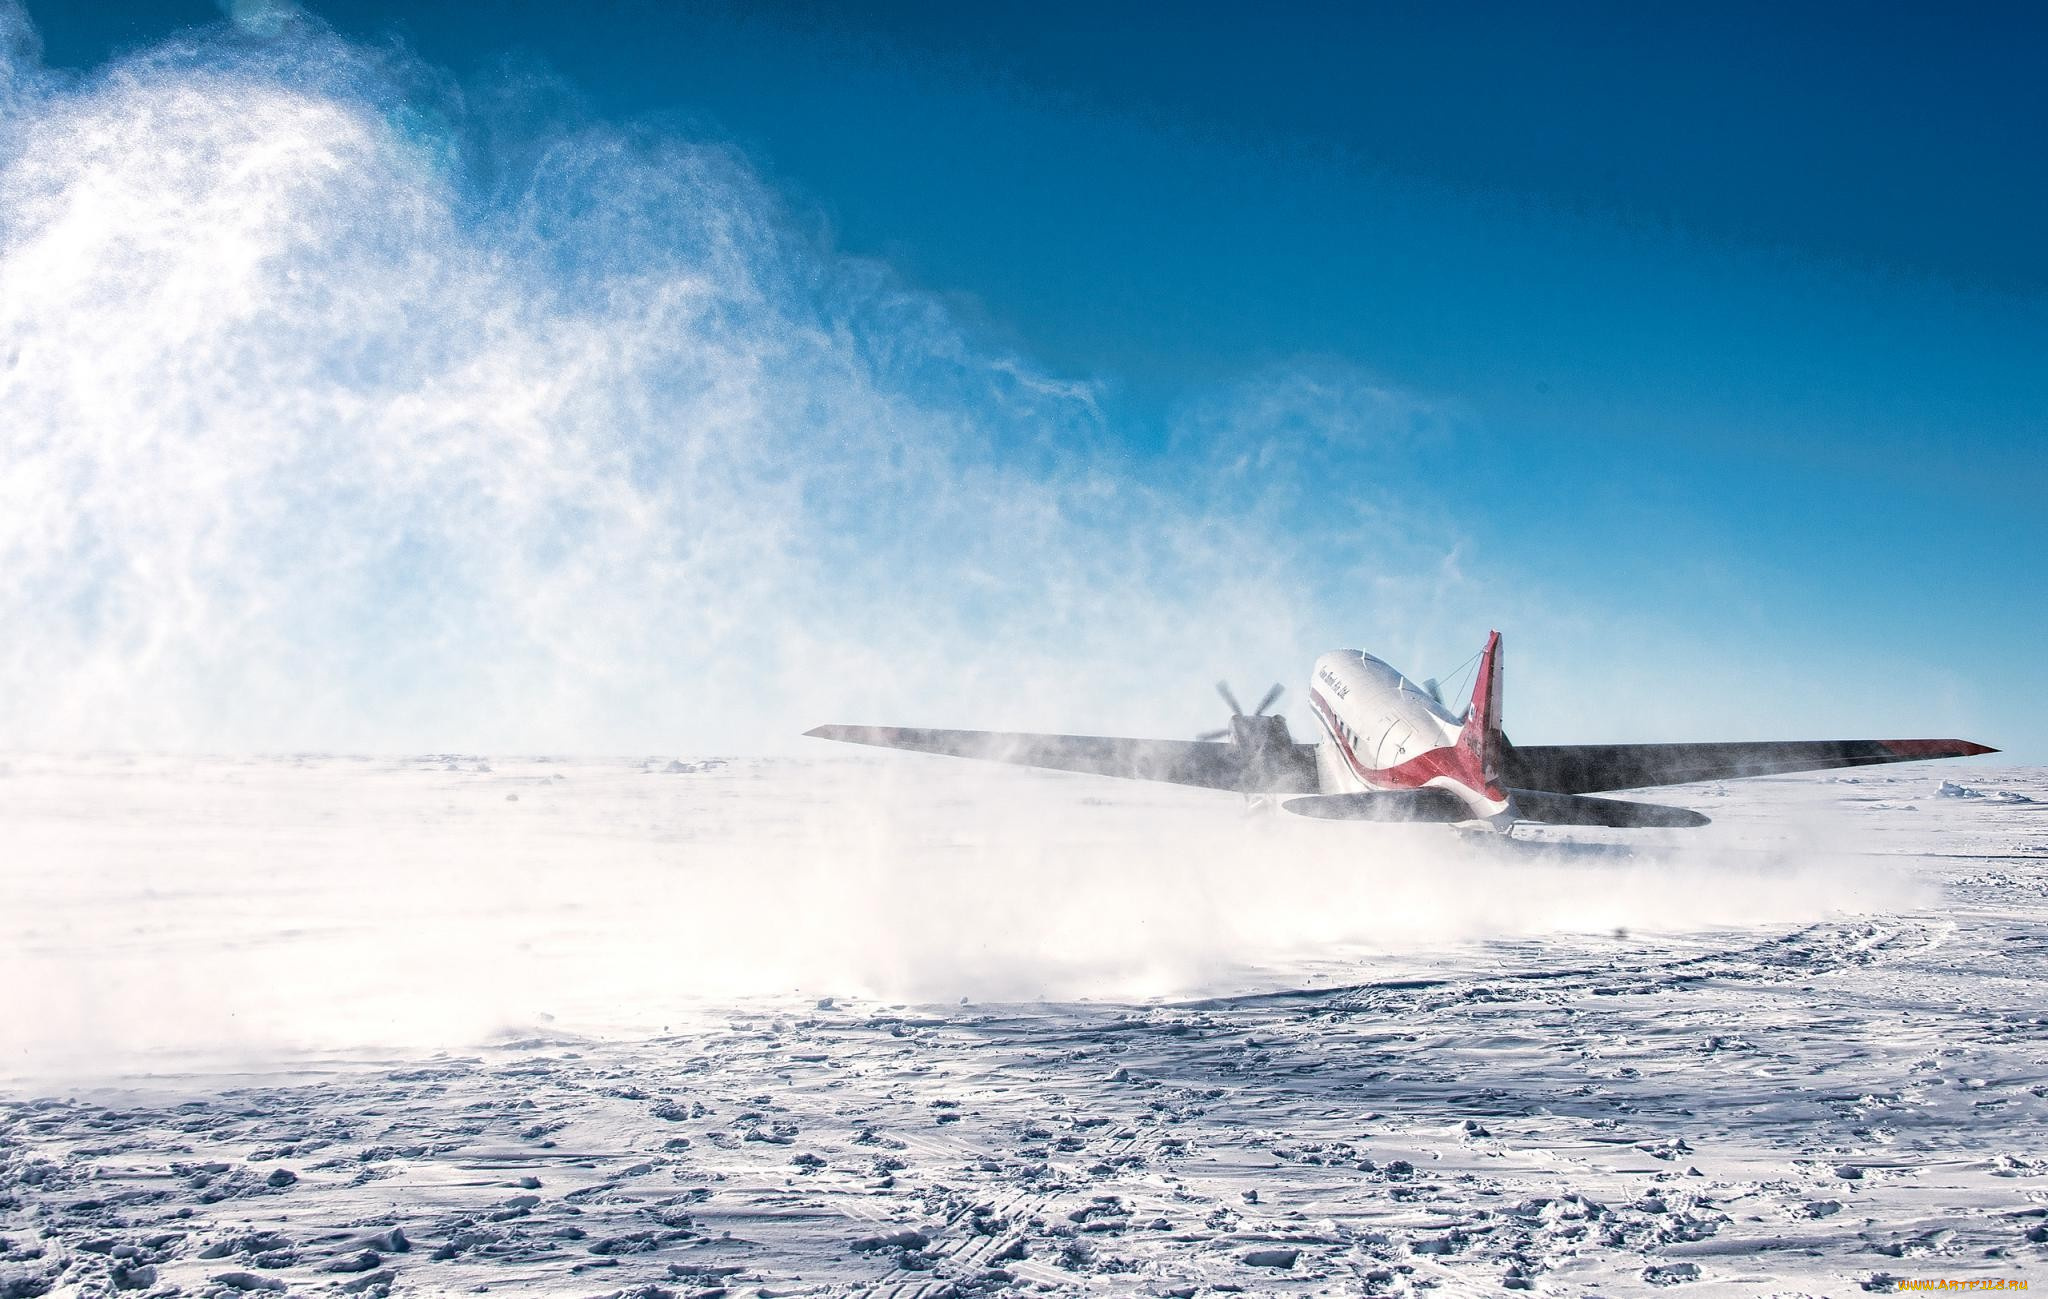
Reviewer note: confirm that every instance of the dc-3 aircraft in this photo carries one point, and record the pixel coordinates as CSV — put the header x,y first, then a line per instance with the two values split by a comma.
x,y
1391,751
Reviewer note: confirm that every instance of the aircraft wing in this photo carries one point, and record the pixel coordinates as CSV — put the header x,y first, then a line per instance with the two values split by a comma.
x,y
1281,769
1590,768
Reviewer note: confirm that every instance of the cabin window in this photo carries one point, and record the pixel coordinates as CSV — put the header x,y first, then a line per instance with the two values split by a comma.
x,y
1394,744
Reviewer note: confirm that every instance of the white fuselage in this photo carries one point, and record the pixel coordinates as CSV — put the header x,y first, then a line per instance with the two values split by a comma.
x,y
1384,732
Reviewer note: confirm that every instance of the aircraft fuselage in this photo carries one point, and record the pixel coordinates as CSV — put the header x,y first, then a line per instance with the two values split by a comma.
x,y
1383,732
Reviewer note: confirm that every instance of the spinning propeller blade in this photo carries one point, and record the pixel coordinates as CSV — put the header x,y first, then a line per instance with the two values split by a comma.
x,y
1237,709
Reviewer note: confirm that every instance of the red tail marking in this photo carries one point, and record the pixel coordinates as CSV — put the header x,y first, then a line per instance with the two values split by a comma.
x,y
1480,739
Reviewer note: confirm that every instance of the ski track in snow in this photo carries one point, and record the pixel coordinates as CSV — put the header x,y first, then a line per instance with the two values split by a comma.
x,y
1784,1108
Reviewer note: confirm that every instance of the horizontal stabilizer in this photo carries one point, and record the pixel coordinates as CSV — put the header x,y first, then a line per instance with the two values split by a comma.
x,y
1578,809
1591,768
1279,769
1383,805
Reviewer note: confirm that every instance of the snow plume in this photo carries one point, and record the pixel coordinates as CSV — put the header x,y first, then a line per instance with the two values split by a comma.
x,y
343,408
349,408
229,908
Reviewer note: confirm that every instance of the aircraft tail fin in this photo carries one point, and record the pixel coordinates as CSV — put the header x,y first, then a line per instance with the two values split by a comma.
x,y
1481,736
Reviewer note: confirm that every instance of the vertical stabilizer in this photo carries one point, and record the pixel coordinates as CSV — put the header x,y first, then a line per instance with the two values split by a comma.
x,y
1480,737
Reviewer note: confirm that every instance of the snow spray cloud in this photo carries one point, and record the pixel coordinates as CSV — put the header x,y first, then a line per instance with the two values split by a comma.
x,y
347,408
344,408
223,910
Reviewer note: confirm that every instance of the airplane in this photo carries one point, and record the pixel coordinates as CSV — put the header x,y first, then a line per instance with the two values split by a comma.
x,y
1392,751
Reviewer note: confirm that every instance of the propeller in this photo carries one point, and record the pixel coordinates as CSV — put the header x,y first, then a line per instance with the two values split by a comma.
x,y
1237,709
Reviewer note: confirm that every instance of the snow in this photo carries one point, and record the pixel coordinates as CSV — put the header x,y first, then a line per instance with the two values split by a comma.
x,y
689,1026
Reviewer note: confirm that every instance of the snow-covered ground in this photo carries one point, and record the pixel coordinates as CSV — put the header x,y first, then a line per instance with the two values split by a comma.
x,y
333,1025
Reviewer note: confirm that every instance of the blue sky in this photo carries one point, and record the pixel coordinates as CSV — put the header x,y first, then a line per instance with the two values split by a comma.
x,y
1738,313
